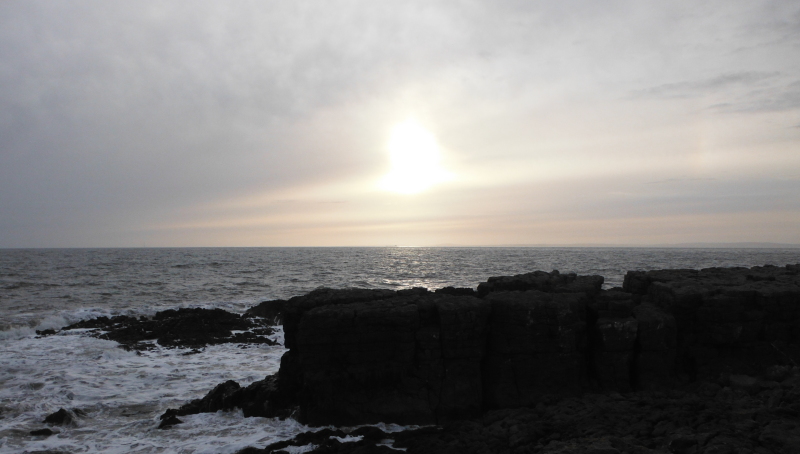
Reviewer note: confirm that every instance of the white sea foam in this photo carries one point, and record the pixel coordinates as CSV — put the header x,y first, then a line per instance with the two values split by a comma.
x,y
123,393
16,332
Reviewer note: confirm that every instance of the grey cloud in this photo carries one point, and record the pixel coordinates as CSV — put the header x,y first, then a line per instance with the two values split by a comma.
x,y
115,113
702,87
776,99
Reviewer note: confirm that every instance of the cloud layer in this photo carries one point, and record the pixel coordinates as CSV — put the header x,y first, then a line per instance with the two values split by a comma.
x,y
266,123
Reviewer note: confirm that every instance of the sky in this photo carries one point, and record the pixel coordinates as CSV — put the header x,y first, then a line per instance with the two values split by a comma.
x,y
409,123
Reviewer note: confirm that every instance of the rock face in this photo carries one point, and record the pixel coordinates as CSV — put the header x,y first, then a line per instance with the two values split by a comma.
x,y
727,320
414,357
418,357
700,418
537,346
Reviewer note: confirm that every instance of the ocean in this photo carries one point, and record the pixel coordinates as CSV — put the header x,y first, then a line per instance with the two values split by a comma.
x,y
122,393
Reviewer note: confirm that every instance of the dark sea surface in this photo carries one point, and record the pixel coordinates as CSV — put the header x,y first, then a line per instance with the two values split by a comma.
x,y
122,393
40,283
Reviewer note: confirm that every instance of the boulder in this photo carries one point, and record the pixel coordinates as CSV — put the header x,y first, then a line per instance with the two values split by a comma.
x,y
61,417
260,398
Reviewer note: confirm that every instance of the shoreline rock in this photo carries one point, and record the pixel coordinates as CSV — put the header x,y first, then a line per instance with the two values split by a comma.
x,y
681,361
186,328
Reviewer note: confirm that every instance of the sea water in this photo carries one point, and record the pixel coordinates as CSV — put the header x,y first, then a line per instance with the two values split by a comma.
x,y
122,393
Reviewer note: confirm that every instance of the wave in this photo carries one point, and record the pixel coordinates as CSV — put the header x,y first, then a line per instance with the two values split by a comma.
x,y
24,284
252,284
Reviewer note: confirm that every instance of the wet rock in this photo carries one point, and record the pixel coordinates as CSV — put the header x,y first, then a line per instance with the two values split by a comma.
x,y
260,398
42,432
192,328
61,417
169,421
271,311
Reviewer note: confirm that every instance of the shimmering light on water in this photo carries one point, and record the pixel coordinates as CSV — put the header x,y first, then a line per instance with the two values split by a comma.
x,y
78,283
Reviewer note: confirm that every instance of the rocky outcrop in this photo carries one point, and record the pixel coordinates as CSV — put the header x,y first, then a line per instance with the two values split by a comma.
x,y
415,357
727,320
553,282
179,328
524,343
361,356
702,417
536,346
271,311
260,398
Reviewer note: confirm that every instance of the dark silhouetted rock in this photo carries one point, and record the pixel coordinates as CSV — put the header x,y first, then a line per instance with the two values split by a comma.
x,y
414,357
169,421
553,282
42,432
260,398
297,306
655,348
536,347
456,291
688,420
61,418
271,311
191,328
614,352
728,320
685,361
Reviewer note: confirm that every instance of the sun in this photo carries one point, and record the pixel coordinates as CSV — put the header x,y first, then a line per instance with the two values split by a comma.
x,y
415,158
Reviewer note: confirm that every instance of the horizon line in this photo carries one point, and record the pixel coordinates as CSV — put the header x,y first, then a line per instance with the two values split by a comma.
x,y
692,245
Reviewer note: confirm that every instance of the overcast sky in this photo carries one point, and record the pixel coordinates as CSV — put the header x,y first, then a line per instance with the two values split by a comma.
x,y
265,123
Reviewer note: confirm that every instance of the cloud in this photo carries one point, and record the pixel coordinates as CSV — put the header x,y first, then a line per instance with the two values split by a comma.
x,y
703,87
115,116
776,99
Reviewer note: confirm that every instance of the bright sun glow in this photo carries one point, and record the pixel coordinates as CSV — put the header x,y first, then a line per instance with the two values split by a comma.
x,y
415,159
